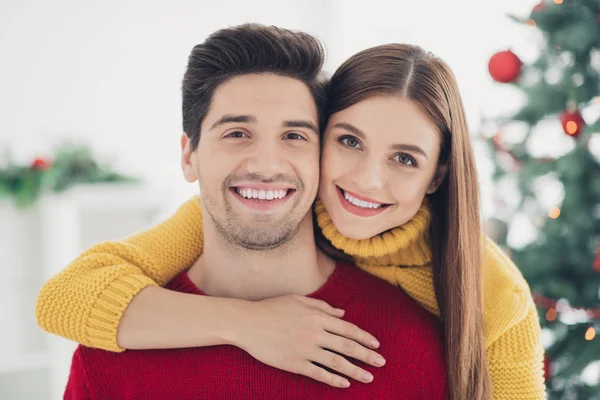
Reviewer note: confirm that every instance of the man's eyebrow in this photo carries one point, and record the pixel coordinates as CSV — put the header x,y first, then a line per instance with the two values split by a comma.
x,y
239,119
301,124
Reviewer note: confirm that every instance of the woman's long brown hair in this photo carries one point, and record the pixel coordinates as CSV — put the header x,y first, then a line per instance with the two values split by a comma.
x,y
410,72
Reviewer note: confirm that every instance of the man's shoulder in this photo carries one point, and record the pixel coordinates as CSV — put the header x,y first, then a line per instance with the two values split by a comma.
x,y
392,300
411,337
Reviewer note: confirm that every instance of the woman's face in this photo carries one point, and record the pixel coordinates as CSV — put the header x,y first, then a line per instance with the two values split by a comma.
x,y
379,160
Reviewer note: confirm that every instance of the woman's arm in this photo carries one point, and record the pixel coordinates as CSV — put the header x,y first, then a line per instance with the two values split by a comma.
x,y
110,298
515,362
86,301
287,332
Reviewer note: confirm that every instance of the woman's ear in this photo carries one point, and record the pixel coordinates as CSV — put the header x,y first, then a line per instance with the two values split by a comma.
x,y
438,178
188,162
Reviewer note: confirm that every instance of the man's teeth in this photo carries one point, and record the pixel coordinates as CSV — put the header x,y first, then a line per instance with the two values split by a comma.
x,y
261,194
361,203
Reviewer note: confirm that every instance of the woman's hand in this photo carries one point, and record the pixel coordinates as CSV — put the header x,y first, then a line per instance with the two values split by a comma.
x,y
293,333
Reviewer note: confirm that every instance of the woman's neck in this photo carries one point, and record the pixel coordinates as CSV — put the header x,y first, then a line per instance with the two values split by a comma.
x,y
406,245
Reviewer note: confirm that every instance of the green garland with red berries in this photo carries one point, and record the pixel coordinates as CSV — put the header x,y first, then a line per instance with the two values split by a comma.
x,y
72,165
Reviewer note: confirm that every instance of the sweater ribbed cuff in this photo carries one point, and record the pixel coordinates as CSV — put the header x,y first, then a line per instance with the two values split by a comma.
x,y
107,311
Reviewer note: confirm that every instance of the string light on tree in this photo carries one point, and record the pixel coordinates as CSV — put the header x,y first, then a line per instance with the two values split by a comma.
x,y
551,314
571,120
590,334
554,212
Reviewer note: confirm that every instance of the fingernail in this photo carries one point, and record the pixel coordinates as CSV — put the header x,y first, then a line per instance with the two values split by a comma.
x,y
367,377
339,310
344,383
379,361
375,343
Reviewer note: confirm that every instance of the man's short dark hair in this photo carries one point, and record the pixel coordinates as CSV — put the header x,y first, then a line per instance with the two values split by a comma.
x,y
248,49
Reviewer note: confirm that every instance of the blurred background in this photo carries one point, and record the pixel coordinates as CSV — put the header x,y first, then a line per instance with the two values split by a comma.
x,y
90,125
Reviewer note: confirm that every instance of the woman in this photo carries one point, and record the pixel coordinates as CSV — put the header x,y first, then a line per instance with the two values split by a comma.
x,y
398,195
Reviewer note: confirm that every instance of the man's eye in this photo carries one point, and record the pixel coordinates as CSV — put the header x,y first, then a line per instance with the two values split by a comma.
x,y
236,135
294,136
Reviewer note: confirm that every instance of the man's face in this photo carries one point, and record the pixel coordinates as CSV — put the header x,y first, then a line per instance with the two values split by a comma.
x,y
257,159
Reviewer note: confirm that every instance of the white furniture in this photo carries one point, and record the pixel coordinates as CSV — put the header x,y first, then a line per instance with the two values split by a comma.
x,y
37,243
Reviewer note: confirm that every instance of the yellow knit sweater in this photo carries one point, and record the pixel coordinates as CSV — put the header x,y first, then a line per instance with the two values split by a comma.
x,y
86,301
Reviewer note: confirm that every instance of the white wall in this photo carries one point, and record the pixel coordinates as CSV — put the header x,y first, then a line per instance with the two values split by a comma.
x,y
109,73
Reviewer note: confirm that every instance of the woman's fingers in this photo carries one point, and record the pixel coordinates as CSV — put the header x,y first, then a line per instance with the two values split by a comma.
x,y
322,305
350,348
340,364
319,374
350,331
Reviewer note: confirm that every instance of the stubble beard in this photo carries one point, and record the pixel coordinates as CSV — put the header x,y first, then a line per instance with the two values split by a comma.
x,y
260,235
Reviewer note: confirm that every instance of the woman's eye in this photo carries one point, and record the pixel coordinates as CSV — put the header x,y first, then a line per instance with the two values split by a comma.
x,y
350,141
405,159
236,135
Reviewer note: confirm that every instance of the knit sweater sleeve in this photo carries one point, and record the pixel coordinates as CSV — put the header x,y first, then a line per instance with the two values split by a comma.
x,y
86,301
515,362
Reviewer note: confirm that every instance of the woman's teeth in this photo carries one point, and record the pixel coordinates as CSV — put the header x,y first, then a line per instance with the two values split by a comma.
x,y
261,194
361,203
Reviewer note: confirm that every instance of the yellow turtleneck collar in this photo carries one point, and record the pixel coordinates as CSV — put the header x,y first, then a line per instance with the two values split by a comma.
x,y
406,245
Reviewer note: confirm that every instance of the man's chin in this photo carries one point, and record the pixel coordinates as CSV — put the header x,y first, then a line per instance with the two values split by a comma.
x,y
260,232
261,239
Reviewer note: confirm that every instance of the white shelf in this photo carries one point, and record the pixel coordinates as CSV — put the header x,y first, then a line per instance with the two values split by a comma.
x,y
41,241
26,362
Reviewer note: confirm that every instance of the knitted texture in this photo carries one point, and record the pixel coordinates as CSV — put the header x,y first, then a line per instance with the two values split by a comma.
x,y
70,304
86,301
511,328
411,340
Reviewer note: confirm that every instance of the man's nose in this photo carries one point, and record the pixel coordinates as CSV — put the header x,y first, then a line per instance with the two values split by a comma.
x,y
266,158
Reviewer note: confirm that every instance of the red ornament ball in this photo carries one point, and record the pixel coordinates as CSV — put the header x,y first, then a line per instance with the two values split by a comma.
x,y
539,7
505,66
572,122
597,262
41,164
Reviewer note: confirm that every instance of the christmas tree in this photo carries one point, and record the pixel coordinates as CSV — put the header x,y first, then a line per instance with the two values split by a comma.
x,y
555,193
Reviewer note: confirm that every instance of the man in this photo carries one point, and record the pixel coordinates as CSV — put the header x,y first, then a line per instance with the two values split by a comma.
x,y
253,109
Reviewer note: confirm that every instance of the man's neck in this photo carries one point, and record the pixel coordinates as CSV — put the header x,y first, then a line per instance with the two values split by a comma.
x,y
296,267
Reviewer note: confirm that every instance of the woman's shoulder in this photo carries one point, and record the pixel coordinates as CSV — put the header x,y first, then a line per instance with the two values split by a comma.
x,y
506,295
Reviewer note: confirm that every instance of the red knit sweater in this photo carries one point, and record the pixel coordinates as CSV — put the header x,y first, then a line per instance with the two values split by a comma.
x,y
411,342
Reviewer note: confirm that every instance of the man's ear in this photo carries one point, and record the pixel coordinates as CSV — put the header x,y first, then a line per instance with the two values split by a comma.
x,y
438,178
188,160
